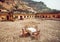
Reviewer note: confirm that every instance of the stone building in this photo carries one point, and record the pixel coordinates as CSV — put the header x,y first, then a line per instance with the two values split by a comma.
x,y
19,16
11,16
23,16
6,16
47,15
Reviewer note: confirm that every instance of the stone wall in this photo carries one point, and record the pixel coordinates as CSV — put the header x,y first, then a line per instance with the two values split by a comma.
x,y
47,16
23,16
11,16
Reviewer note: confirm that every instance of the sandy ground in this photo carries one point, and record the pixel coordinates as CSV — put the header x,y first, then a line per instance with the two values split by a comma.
x,y
49,30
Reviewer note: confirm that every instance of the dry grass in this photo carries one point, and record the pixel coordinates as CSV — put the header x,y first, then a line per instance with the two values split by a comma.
x,y
49,30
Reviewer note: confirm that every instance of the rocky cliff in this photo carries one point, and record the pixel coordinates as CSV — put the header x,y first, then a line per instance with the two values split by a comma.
x,y
25,5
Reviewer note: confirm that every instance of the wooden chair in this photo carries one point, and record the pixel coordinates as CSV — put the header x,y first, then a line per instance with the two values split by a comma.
x,y
24,33
35,35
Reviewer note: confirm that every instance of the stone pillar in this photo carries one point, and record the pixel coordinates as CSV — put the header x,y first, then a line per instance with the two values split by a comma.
x,y
26,16
23,17
18,17
48,16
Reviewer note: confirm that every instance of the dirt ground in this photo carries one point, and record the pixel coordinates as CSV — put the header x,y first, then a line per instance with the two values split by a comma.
x,y
49,30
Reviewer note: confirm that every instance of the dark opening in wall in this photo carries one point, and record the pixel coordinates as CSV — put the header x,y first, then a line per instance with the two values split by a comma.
x,y
7,17
54,16
24,16
43,17
46,17
21,17
27,16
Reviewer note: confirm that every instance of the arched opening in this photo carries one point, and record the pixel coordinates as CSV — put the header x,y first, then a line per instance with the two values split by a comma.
x,y
21,18
43,17
7,17
53,16
27,16
24,16
46,16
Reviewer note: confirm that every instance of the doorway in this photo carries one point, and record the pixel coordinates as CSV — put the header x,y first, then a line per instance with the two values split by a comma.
x,y
21,18
7,17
